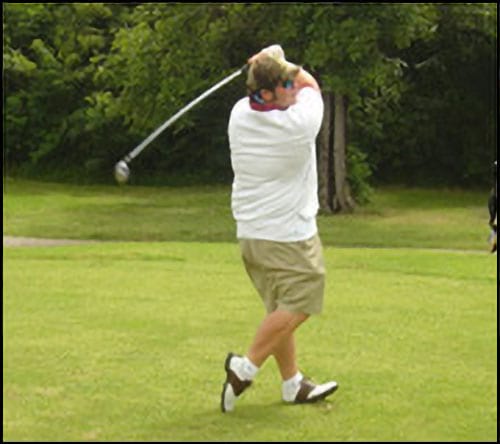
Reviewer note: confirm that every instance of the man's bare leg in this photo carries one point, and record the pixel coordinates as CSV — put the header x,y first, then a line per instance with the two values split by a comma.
x,y
285,356
275,336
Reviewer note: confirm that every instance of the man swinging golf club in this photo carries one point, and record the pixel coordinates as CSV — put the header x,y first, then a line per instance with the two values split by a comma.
x,y
272,136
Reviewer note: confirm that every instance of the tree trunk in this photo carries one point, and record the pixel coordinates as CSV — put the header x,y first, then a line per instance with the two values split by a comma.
x,y
342,200
325,154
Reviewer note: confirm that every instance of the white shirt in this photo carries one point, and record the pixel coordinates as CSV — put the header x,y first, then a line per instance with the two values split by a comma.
x,y
273,155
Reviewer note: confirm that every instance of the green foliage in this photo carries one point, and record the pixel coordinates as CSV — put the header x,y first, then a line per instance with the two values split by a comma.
x,y
85,82
48,75
359,175
443,131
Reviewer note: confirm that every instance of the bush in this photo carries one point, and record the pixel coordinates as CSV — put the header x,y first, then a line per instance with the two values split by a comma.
x,y
359,174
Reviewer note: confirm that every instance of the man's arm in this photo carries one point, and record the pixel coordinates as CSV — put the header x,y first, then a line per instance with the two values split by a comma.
x,y
304,79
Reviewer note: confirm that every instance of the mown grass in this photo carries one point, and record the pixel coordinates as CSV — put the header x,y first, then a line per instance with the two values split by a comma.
x,y
125,341
396,218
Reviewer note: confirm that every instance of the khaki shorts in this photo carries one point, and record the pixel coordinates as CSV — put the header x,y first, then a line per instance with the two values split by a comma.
x,y
288,275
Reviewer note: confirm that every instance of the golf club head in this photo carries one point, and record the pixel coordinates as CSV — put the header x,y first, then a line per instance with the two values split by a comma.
x,y
122,172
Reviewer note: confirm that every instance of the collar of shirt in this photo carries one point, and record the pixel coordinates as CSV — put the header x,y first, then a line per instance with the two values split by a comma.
x,y
263,107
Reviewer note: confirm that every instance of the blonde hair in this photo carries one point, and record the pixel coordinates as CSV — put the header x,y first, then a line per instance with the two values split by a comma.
x,y
266,72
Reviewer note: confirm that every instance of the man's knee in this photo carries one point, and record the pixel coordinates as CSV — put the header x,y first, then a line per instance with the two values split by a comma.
x,y
298,318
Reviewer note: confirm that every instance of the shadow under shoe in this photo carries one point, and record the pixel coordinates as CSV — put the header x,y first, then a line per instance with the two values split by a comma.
x,y
233,386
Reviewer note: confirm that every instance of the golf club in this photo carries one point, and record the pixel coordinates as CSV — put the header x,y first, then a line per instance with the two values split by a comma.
x,y
122,171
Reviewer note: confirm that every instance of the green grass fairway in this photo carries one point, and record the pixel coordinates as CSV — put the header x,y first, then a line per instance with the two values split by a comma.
x,y
451,219
125,340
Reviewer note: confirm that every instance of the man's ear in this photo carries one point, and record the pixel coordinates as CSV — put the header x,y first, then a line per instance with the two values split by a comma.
x,y
267,95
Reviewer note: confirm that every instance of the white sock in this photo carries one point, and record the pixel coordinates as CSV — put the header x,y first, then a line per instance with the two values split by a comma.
x,y
291,387
244,368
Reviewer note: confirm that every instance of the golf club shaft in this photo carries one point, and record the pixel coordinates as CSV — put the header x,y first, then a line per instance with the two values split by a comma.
x,y
135,152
